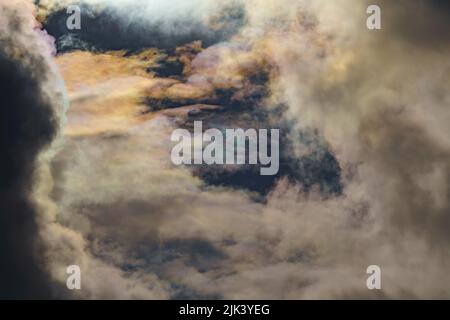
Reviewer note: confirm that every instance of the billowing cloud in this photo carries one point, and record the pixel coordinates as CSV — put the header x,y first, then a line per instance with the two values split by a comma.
x,y
365,151
131,24
31,107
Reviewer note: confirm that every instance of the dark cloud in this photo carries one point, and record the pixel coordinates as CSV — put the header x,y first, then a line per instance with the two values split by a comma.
x,y
317,168
27,125
112,29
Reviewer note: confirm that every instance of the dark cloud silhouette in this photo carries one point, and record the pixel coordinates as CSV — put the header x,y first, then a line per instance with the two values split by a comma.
x,y
112,29
319,168
27,125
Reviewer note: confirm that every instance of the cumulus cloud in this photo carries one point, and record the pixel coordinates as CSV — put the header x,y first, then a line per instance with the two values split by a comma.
x,y
374,97
36,248
31,110
378,100
139,227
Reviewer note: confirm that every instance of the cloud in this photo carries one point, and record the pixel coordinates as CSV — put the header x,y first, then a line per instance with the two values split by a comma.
x,y
133,25
30,119
377,99
142,228
36,248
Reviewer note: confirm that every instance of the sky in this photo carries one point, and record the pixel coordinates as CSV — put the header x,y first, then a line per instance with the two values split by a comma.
x,y
87,179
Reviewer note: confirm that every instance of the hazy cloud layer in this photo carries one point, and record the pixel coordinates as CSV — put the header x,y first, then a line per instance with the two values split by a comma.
x,y
377,102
